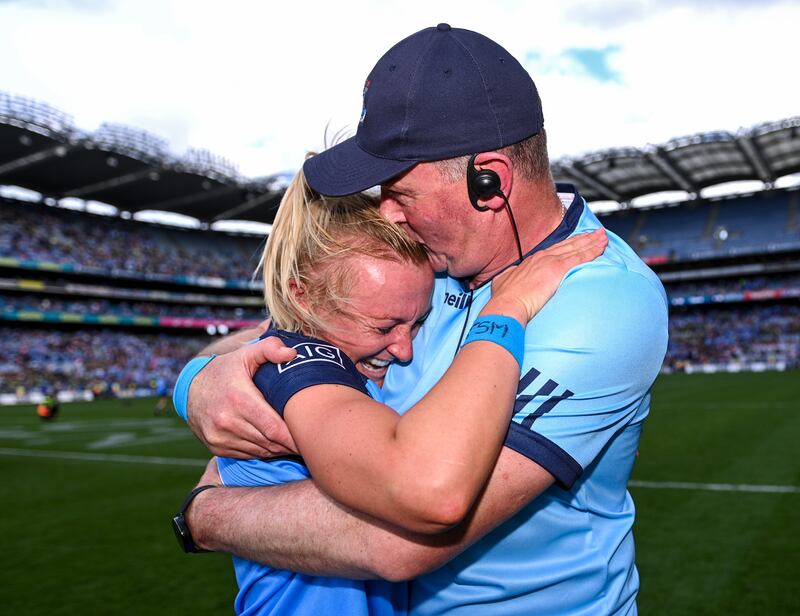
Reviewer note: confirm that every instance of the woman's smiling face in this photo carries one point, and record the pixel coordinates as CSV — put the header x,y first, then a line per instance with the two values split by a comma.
x,y
388,301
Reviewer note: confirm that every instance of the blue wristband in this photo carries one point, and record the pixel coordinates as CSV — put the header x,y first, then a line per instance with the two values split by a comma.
x,y
180,395
505,331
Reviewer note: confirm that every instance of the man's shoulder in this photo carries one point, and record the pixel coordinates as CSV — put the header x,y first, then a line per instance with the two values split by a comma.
x,y
615,299
615,268
618,266
609,288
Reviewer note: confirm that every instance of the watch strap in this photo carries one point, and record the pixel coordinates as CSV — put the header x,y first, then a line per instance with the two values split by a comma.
x,y
180,526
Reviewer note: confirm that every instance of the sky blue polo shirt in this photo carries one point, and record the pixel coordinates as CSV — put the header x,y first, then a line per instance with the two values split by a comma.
x,y
591,356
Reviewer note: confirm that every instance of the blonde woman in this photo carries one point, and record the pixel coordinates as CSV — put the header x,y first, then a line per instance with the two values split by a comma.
x,y
347,290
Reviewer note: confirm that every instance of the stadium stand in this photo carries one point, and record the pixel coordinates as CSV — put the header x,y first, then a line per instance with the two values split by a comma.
x,y
95,361
33,232
705,229
96,305
734,338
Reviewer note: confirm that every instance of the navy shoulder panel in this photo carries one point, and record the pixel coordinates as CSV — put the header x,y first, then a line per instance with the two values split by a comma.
x,y
317,363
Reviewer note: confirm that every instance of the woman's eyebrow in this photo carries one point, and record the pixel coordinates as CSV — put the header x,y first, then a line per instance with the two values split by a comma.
x,y
396,320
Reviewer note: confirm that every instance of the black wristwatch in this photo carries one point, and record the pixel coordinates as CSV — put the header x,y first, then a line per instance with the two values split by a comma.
x,y
179,522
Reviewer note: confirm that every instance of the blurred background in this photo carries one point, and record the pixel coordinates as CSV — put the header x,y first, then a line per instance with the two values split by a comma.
x,y
145,146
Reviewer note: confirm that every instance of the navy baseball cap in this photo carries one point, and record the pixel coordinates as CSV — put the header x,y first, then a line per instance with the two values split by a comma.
x,y
440,93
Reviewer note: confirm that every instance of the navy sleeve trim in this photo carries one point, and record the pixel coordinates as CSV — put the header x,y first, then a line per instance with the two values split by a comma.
x,y
317,363
297,382
545,453
278,389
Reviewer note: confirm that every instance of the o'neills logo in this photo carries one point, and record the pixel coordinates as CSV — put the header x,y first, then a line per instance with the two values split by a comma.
x,y
457,301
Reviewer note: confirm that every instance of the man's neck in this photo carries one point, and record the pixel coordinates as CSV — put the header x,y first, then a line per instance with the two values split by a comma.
x,y
538,213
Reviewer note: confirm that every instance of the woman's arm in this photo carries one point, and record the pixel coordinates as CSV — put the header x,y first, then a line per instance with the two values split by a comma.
x,y
424,470
420,471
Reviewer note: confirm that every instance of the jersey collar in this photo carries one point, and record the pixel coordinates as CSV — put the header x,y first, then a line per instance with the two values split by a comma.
x,y
572,199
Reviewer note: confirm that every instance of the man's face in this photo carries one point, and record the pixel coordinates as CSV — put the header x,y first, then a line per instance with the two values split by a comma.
x,y
386,306
434,212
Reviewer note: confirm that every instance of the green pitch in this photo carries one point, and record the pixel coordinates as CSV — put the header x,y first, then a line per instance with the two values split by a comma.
x,y
87,501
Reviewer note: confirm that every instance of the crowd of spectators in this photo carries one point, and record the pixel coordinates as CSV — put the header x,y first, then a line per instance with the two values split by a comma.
x,y
113,360
102,307
105,360
102,360
756,333
734,285
41,233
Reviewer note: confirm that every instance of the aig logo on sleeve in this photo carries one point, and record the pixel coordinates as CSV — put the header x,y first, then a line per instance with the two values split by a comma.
x,y
311,351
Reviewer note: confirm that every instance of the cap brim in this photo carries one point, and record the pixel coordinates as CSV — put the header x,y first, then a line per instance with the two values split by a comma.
x,y
346,169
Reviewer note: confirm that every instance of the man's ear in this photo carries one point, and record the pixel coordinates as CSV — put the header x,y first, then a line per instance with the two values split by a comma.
x,y
503,166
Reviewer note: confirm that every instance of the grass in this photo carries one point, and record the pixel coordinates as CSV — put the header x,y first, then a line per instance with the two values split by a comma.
x,y
704,552
90,537
83,537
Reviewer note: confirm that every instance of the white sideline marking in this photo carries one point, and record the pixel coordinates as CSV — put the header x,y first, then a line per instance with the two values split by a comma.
x,y
147,432
101,457
714,487
114,439
108,457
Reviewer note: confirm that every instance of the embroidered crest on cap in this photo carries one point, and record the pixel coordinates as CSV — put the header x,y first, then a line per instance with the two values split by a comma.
x,y
367,84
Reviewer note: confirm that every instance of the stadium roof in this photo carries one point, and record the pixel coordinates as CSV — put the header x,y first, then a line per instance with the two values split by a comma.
x,y
42,150
764,152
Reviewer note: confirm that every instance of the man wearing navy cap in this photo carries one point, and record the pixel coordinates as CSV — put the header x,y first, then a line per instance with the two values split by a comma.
x,y
452,130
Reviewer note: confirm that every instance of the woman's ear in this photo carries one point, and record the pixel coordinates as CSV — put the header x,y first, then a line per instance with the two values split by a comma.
x,y
298,293
297,290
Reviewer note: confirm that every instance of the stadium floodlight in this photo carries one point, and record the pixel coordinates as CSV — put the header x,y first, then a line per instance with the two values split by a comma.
x,y
721,233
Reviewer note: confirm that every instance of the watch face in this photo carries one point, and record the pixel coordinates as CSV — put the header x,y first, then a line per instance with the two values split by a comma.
x,y
182,533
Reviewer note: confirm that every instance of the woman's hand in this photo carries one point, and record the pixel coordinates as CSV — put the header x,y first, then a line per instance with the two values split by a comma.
x,y
522,290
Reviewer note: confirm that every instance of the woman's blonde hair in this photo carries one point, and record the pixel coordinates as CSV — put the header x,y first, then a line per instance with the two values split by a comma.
x,y
311,247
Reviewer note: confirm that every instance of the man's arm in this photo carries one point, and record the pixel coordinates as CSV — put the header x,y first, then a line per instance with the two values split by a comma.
x,y
297,527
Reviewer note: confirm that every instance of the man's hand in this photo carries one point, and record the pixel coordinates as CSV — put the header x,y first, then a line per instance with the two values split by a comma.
x,y
228,413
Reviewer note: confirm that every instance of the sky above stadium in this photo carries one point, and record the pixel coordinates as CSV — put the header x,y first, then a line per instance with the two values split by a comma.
x,y
259,82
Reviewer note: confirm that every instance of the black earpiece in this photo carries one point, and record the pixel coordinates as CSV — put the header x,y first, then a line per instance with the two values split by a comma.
x,y
481,184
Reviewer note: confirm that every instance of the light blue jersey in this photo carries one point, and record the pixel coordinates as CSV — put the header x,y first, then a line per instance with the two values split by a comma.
x,y
264,590
591,356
